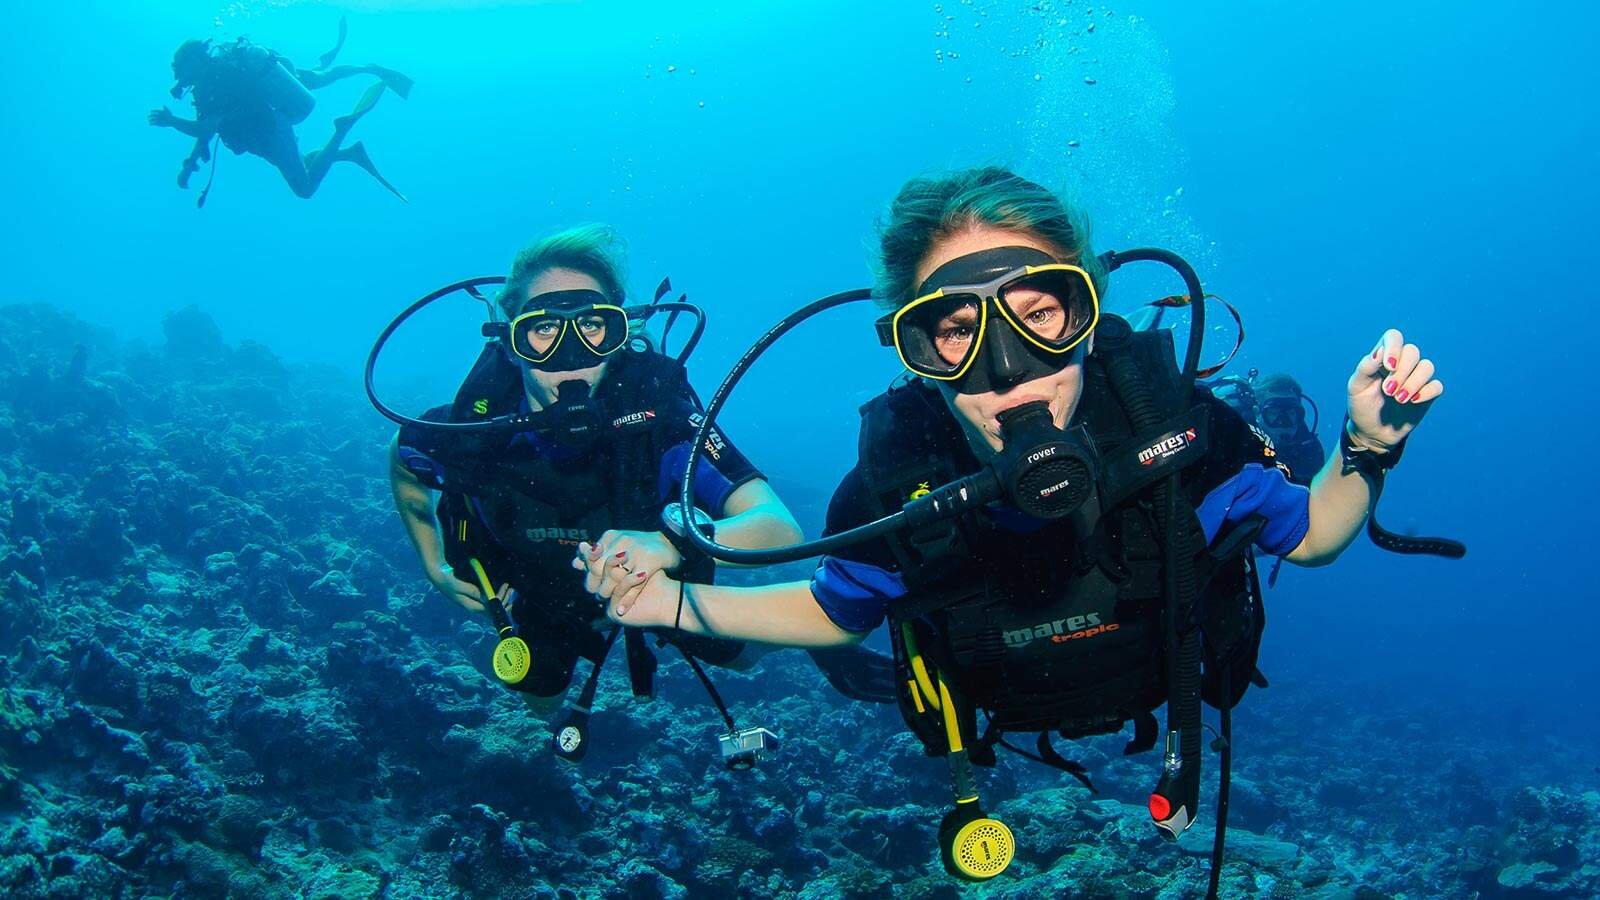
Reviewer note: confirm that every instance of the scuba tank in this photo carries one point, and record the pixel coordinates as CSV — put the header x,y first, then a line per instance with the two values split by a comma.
x,y
271,77
284,92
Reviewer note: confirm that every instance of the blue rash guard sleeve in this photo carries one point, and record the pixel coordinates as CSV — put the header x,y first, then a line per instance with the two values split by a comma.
x,y
855,595
411,445
711,486
1259,491
722,469
855,587
1241,477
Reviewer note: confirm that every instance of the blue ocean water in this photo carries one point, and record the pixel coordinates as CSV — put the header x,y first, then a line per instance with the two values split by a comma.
x,y
1332,172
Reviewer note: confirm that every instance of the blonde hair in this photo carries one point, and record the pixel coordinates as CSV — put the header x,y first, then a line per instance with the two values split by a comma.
x,y
593,249
931,209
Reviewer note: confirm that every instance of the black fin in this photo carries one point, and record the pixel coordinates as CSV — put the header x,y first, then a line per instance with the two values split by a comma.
x,y
326,59
857,673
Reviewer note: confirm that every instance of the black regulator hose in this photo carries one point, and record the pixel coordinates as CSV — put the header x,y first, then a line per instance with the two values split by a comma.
x,y
529,421
949,500
718,399
1114,259
469,285
1179,787
1180,781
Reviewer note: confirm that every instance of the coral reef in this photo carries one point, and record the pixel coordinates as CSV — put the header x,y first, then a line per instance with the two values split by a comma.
x,y
222,675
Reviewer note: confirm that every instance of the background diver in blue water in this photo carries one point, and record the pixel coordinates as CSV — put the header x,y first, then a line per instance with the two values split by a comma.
x,y
1277,405
608,420
1043,511
250,98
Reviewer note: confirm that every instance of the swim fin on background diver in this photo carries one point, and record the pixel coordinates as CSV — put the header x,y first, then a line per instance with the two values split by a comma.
x,y
326,59
857,672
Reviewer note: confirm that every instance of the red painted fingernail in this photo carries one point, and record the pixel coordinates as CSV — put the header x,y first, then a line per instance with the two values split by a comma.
x,y
1376,351
1394,363
621,554
639,575
1388,386
1401,396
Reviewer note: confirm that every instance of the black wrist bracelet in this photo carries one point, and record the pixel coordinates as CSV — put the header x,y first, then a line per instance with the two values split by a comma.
x,y
1355,458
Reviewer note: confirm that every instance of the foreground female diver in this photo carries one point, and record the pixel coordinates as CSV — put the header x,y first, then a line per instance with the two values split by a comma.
x,y
1074,625
521,504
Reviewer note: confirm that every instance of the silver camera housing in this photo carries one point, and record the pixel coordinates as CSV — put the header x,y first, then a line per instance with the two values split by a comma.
x,y
742,749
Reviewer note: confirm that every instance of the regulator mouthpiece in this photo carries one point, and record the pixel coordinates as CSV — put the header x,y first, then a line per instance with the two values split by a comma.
x,y
1046,472
574,419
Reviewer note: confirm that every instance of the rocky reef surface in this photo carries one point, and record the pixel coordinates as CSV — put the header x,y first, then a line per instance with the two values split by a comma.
x,y
222,675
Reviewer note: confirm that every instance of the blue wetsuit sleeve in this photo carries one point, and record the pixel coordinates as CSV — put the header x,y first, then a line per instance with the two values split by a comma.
x,y
855,595
430,473
712,486
1241,477
1260,491
855,586
412,445
722,469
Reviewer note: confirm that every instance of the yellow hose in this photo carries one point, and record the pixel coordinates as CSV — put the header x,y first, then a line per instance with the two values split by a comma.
x,y
483,579
952,727
918,667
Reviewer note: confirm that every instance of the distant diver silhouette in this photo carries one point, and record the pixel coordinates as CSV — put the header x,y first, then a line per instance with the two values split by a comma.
x,y
250,97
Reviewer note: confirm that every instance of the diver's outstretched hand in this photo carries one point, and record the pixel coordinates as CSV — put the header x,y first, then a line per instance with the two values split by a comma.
x,y
1390,392
162,118
464,594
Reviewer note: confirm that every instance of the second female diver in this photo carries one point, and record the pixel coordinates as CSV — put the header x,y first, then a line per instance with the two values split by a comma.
x,y
522,503
593,478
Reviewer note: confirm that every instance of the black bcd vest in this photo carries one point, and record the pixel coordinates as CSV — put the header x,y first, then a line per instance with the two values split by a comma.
x,y
1061,629
522,515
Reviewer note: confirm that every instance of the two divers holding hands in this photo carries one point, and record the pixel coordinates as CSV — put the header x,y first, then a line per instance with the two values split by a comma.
x,y
1056,521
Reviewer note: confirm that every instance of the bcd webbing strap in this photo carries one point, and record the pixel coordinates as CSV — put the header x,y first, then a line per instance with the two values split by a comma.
x,y
641,664
586,696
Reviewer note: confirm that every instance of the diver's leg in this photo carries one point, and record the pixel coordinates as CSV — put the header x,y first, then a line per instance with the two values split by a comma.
x,y
318,162
319,78
549,676
343,124
327,73
282,150
297,177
